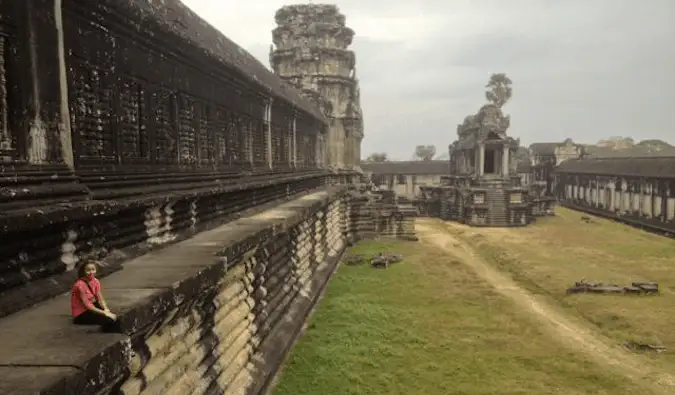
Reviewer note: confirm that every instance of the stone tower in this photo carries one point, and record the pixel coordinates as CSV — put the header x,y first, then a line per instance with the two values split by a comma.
x,y
311,54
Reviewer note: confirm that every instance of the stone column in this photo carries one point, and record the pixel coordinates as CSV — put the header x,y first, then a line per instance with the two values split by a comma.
x,y
612,197
294,143
65,132
357,151
43,133
354,158
505,161
664,200
348,149
268,133
481,159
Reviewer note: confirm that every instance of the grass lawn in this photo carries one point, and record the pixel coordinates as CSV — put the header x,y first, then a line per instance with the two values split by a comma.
x,y
429,326
550,256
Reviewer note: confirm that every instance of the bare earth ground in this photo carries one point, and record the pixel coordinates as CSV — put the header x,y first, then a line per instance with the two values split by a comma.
x,y
547,257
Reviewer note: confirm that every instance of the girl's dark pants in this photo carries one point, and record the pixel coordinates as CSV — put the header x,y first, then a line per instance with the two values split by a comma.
x,y
91,318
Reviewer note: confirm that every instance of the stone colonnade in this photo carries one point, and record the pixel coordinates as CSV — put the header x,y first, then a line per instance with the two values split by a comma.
x,y
651,199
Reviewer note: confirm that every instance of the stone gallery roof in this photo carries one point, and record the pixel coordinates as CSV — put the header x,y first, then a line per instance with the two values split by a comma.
x,y
416,167
653,167
178,19
632,152
544,148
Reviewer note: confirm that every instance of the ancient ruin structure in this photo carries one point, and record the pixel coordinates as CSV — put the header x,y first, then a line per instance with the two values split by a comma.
x,y
379,213
639,191
544,158
311,54
130,127
405,178
483,188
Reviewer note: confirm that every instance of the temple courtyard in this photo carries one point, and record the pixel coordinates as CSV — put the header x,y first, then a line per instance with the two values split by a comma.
x,y
486,311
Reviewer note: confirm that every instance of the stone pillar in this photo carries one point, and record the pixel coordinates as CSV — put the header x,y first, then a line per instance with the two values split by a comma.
x,y
341,135
347,149
481,159
65,132
34,117
268,133
664,200
294,143
505,161
612,196
358,150
6,144
320,151
653,194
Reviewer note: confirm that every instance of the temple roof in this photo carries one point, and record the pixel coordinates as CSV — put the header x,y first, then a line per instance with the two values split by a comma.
x,y
416,167
544,148
632,152
178,19
656,167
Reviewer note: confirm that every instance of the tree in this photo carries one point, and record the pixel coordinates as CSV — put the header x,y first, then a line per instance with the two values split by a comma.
x,y
617,142
655,143
425,152
377,157
499,89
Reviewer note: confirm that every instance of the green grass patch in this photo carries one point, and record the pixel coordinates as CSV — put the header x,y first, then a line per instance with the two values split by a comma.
x,y
429,326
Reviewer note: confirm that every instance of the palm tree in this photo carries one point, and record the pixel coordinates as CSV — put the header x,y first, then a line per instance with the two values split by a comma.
x,y
499,89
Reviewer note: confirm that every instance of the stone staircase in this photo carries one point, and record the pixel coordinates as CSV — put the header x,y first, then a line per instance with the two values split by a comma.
x,y
498,214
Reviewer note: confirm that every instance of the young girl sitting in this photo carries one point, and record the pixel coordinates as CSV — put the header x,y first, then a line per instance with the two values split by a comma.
x,y
86,300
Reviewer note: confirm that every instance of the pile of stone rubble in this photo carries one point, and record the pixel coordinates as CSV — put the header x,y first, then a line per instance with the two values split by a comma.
x,y
379,261
636,288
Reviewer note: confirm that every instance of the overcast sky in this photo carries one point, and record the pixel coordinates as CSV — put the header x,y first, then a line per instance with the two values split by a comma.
x,y
585,69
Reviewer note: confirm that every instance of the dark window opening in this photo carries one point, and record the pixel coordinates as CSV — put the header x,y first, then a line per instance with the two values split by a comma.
x,y
489,163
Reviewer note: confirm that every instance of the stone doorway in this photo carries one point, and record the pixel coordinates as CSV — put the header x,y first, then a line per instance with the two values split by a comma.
x,y
489,163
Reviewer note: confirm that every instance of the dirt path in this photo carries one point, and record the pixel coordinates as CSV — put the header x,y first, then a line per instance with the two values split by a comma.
x,y
556,322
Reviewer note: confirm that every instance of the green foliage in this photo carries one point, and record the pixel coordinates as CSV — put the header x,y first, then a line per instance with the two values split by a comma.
x,y
425,152
377,157
499,89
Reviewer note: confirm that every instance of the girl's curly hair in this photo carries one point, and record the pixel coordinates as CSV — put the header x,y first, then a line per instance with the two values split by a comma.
x,y
83,265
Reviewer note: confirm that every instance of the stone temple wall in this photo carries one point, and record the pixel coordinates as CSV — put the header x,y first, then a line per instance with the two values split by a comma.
x,y
126,126
312,54
213,314
134,133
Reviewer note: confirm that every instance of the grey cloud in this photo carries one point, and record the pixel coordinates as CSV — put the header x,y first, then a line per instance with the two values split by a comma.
x,y
581,69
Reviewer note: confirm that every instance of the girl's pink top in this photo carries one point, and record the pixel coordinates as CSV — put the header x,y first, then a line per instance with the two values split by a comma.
x,y
80,286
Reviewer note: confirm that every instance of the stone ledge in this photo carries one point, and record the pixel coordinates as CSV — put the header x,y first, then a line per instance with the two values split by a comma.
x,y
38,290
82,360
196,265
37,217
41,345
